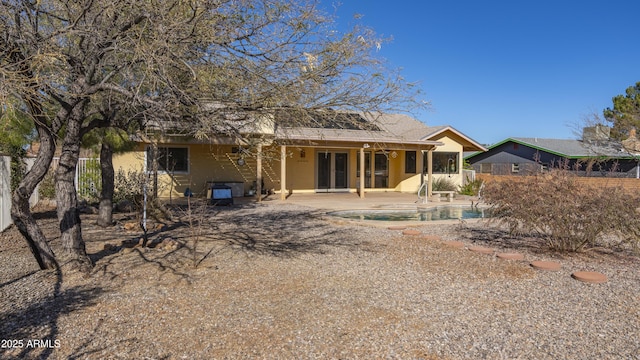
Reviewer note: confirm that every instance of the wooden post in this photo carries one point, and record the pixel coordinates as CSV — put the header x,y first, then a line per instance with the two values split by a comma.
x,y
259,172
283,172
362,173
430,173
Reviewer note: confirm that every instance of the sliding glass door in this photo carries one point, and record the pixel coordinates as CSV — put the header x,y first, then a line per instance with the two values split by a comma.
x,y
332,171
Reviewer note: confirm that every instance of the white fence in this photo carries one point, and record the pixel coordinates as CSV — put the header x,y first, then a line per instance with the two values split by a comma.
x,y
87,171
5,192
87,179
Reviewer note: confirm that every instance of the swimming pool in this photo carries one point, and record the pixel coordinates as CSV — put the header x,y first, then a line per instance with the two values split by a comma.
x,y
431,214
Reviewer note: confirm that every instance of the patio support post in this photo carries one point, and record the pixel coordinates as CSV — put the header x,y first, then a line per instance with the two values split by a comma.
x,y
283,172
259,172
362,173
421,167
430,173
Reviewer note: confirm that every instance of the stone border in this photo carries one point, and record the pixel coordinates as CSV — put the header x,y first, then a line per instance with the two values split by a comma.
x,y
591,277
546,265
510,256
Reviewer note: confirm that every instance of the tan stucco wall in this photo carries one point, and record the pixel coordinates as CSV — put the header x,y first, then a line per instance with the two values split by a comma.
x,y
207,163
216,163
408,182
300,170
130,161
450,145
411,182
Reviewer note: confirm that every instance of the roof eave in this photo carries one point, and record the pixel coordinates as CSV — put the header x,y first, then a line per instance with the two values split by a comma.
x,y
474,144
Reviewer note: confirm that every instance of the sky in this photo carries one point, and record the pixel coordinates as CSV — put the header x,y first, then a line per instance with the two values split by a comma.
x,y
498,69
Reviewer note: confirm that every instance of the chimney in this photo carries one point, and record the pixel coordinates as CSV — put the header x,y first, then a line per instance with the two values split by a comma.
x,y
596,133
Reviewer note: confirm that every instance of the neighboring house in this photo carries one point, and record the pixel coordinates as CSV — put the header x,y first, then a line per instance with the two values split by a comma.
x,y
344,154
594,155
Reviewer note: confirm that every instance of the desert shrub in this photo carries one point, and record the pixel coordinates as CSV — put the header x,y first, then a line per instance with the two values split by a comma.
x,y
129,186
443,184
568,215
471,188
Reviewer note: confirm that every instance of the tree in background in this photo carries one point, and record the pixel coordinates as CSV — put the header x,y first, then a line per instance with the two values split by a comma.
x,y
17,133
107,142
625,113
215,65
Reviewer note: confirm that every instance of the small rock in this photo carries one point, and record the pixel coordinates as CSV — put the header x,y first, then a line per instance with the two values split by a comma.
x,y
130,226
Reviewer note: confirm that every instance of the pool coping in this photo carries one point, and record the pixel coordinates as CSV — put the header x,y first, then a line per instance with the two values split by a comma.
x,y
409,223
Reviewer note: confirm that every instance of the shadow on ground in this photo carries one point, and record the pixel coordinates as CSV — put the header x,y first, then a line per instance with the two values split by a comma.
x,y
207,231
38,320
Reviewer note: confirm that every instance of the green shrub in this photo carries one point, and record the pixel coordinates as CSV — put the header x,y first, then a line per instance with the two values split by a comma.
x,y
568,215
47,187
443,184
471,188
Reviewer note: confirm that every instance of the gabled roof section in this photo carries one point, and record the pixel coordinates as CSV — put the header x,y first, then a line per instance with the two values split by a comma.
x,y
570,149
468,144
375,128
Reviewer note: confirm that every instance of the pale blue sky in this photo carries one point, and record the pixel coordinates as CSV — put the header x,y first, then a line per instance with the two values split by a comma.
x,y
499,69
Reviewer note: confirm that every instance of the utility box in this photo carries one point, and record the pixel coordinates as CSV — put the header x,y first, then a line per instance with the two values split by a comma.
x,y
221,195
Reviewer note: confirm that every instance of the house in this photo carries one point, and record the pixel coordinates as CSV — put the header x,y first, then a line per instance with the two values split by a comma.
x,y
593,155
335,152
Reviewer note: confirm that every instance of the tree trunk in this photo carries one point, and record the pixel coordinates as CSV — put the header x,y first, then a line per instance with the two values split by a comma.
x,y
73,246
20,210
105,212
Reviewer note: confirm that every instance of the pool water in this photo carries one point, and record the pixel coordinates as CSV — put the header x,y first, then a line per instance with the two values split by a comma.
x,y
433,214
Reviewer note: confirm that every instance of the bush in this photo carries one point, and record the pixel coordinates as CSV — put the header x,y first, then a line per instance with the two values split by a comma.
x,y
443,184
471,188
568,215
47,187
129,186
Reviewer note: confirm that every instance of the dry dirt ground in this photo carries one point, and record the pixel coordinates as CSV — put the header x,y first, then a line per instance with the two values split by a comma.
x,y
279,281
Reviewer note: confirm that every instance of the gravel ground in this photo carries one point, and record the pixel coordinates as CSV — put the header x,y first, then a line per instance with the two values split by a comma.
x,y
283,281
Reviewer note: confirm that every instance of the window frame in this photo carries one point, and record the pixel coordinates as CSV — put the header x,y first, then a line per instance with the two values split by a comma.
x,y
448,155
486,166
410,167
163,169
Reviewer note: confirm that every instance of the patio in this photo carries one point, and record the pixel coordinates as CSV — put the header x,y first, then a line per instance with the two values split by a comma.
x,y
351,201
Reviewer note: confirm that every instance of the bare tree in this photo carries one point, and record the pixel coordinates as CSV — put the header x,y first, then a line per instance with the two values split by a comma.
x,y
168,62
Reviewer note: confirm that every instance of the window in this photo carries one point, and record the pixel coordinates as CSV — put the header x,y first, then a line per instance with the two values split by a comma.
x,y
170,159
410,162
485,168
444,163
515,168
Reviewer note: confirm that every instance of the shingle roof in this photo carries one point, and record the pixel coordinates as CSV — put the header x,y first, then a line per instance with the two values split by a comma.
x,y
573,148
391,128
